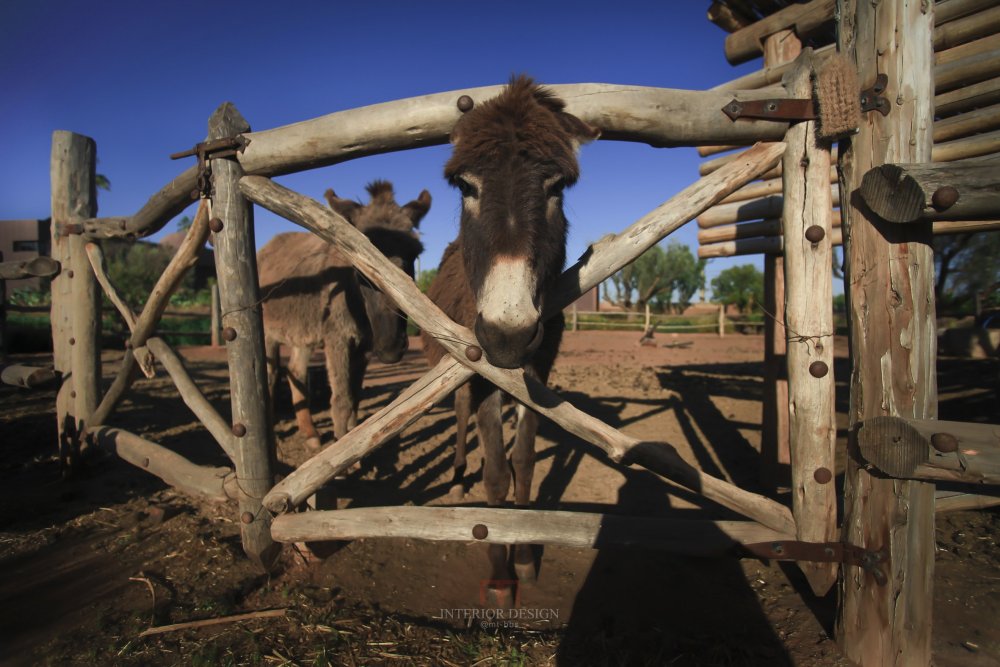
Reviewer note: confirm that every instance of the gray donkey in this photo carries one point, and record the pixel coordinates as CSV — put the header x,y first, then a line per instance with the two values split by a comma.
x,y
313,296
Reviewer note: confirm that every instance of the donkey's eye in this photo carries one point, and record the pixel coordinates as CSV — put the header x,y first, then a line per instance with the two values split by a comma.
x,y
467,189
555,188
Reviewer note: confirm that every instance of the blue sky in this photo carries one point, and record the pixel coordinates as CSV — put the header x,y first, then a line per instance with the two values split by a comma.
x,y
142,78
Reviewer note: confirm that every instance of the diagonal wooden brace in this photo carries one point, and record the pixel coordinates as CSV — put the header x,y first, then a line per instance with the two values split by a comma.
x,y
602,260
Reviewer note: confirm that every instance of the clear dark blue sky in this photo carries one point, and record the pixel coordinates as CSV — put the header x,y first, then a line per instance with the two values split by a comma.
x,y
142,78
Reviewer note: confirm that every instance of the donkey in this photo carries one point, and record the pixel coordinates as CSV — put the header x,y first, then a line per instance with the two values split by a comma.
x,y
512,158
313,296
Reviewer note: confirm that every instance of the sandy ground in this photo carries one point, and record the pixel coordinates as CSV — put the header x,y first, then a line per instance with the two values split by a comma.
x,y
90,562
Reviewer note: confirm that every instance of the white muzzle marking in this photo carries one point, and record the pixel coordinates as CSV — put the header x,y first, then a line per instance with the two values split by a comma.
x,y
506,299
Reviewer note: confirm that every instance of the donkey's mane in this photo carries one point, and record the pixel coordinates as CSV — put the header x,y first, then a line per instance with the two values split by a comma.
x,y
523,119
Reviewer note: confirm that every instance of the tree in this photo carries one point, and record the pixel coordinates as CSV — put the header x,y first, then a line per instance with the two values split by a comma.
x,y
967,266
740,285
134,268
425,278
184,223
656,275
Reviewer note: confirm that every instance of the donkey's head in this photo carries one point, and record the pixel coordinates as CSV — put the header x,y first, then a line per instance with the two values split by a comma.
x,y
392,229
513,156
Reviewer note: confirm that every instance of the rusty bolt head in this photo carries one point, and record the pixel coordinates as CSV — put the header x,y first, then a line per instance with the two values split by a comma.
x,y
818,369
473,353
72,394
823,475
69,274
246,517
944,197
72,341
145,462
239,430
215,224
229,334
815,234
465,103
479,531
944,442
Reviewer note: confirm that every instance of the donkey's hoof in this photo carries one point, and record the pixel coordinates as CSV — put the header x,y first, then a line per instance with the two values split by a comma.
x,y
526,571
501,597
456,493
313,444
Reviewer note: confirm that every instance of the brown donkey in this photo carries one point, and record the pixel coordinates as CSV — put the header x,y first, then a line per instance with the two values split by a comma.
x,y
313,296
513,156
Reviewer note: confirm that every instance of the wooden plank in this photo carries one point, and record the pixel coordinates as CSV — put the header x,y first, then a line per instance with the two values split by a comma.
x,y
929,449
75,299
893,341
759,189
748,43
982,94
29,377
975,146
967,29
966,71
957,501
935,191
581,530
948,56
808,314
753,209
950,10
211,483
236,268
971,122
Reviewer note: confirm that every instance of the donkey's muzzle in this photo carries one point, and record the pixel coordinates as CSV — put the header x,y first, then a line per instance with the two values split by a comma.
x,y
507,347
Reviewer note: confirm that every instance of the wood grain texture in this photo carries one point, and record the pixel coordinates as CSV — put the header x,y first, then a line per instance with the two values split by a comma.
x,y
906,192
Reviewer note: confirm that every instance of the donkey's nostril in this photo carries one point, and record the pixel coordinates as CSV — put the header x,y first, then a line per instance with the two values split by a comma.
x,y
508,347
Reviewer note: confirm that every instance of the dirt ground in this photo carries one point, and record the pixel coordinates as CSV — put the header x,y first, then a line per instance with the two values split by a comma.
x,y
88,563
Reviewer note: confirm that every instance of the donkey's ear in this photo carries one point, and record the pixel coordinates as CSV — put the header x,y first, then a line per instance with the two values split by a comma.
x,y
418,208
579,131
345,207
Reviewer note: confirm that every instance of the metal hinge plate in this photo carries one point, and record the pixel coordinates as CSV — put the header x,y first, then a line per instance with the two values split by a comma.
x,y
824,552
206,150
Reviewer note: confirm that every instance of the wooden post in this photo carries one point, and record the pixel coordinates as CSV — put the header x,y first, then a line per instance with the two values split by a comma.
x,y
236,268
76,298
216,316
808,316
890,284
775,459
722,320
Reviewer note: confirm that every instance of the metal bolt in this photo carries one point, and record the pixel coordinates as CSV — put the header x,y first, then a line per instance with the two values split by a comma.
x,y
246,517
818,369
778,548
473,353
229,334
239,430
215,224
823,475
465,103
944,442
944,197
479,531
69,274
72,341
72,394
815,234
145,462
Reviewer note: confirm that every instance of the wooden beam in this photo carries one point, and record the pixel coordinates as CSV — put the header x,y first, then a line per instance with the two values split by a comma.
x,y
890,284
29,377
982,94
75,315
958,501
929,449
808,314
961,149
753,209
748,43
967,29
968,123
236,268
948,56
950,10
41,266
966,71
581,530
210,483
934,191
657,116
727,18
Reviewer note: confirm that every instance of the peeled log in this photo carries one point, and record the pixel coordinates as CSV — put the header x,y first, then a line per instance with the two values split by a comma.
x,y
934,191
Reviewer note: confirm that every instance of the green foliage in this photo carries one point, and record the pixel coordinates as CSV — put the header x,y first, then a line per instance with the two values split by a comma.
x,y
662,277
134,268
25,296
184,223
740,285
425,278
967,265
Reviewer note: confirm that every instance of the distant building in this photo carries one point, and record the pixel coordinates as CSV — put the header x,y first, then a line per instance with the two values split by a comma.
x,y
589,301
22,240
26,239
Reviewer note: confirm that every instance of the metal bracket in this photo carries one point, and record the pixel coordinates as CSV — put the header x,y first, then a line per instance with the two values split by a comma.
x,y
780,109
207,150
871,98
824,552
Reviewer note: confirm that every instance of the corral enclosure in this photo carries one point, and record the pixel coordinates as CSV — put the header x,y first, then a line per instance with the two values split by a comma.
x,y
880,564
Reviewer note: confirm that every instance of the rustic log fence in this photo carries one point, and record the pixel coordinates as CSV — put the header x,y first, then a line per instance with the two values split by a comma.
x,y
239,163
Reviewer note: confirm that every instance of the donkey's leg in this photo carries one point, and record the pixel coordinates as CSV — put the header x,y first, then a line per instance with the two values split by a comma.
x,y
496,478
463,411
523,459
298,368
339,368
